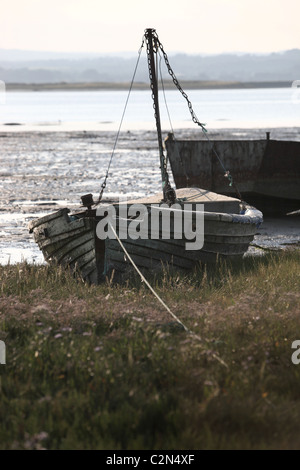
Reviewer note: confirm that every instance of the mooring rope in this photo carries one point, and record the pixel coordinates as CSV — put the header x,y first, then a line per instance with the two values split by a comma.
x,y
192,333
227,173
103,186
147,283
170,121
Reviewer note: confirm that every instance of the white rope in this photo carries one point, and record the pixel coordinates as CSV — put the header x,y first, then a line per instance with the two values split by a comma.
x,y
214,355
147,283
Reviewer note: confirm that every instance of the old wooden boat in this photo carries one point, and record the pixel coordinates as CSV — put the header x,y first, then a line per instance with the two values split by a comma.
x,y
266,171
77,240
71,239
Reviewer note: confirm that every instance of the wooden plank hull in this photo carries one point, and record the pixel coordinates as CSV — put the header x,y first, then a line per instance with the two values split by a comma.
x,y
68,241
225,235
71,240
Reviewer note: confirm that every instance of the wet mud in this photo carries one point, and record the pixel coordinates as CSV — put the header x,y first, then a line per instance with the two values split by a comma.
x,y
41,172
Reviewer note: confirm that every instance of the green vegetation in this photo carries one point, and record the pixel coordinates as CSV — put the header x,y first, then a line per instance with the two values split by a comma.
x,y
106,367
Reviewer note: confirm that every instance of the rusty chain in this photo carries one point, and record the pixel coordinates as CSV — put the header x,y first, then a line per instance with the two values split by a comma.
x,y
157,45
152,44
227,173
176,82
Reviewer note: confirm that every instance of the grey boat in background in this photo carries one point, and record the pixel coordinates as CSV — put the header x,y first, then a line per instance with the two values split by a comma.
x,y
266,172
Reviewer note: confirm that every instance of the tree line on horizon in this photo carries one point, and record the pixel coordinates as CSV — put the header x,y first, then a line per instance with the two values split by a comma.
x,y
279,66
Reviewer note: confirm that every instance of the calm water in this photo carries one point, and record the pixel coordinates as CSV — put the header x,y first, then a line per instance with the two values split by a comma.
x,y
271,106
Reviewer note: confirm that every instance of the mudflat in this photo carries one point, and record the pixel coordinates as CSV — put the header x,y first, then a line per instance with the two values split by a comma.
x,y
42,171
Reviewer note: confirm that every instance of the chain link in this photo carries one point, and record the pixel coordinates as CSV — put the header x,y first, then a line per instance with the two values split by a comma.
x,y
155,45
159,45
177,84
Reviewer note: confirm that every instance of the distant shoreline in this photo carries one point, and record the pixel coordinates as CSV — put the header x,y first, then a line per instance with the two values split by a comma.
x,y
111,86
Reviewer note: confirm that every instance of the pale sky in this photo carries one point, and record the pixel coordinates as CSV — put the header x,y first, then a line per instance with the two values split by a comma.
x,y
190,26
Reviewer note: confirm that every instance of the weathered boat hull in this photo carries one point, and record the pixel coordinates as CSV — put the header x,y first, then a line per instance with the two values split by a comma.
x,y
225,235
72,241
267,172
68,241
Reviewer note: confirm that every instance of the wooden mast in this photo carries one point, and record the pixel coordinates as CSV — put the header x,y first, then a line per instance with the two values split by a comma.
x,y
169,193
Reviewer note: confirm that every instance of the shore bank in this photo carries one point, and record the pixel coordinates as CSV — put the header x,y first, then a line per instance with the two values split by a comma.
x,y
168,84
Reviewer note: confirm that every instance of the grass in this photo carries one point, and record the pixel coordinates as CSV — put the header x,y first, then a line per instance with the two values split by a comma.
x,y
106,367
